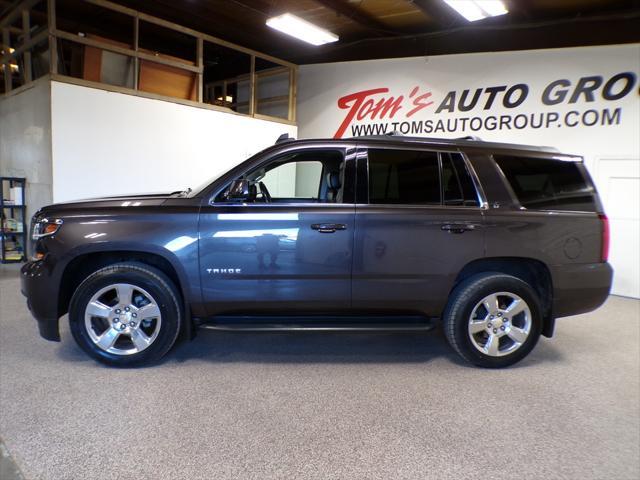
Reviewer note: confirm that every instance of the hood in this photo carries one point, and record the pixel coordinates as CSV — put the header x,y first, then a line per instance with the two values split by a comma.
x,y
123,201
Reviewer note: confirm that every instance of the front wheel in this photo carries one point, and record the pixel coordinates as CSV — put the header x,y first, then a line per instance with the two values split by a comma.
x,y
125,314
493,320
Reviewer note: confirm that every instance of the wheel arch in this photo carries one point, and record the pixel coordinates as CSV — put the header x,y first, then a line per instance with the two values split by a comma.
x,y
87,262
530,270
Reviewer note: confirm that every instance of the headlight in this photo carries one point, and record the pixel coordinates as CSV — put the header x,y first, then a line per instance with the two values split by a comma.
x,y
45,227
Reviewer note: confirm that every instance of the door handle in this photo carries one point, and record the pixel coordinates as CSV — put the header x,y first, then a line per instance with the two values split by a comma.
x,y
328,227
457,227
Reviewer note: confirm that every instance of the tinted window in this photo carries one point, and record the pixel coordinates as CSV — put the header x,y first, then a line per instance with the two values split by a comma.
x,y
457,185
403,177
546,184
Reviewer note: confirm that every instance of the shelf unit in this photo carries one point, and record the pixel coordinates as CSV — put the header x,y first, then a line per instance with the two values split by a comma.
x,y
13,221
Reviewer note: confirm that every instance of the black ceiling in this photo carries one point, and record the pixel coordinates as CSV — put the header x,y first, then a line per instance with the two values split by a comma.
x,y
399,28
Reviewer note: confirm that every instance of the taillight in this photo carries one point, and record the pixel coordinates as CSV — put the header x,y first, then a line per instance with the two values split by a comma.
x,y
605,237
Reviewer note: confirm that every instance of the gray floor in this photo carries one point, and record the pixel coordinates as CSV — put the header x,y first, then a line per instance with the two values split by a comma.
x,y
324,406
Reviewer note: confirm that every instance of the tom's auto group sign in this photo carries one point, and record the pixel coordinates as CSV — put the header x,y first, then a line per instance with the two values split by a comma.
x,y
587,101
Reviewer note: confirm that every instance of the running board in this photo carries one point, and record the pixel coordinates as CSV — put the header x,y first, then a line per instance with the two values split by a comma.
x,y
319,326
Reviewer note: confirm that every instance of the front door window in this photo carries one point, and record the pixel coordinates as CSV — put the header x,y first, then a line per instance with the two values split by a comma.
x,y
314,176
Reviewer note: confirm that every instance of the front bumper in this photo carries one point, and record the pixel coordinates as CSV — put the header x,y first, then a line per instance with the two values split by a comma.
x,y
580,288
41,290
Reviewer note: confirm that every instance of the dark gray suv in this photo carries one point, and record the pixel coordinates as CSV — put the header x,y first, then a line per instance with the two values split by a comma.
x,y
373,233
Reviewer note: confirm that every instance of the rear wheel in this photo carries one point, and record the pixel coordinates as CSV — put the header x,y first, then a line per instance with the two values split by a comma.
x,y
493,320
125,314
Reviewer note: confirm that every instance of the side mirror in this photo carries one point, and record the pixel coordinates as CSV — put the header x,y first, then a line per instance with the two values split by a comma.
x,y
240,190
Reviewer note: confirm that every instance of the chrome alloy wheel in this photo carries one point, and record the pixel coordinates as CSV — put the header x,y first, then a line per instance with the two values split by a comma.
x,y
122,319
500,324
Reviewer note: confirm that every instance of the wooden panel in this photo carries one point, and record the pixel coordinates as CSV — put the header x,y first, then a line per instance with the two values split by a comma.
x,y
92,64
166,80
153,77
398,14
92,58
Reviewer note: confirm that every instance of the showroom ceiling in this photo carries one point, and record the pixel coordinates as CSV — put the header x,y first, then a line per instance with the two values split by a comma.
x,y
398,28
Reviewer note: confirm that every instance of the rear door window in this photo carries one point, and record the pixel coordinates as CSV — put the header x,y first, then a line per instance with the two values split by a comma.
x,y
407,177
547,184
418,177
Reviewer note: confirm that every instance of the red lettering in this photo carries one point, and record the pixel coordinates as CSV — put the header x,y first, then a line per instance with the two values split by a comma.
x,y
360,106
420,103
366,109
385,105
353,102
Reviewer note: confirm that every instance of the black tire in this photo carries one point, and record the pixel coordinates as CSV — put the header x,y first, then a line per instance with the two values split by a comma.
x,y
140,275
460,307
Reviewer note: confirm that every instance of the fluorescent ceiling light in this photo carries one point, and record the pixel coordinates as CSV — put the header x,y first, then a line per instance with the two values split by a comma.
x,y
474,10
301,29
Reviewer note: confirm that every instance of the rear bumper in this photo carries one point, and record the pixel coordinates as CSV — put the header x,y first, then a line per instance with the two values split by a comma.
x,y
42,297
580,288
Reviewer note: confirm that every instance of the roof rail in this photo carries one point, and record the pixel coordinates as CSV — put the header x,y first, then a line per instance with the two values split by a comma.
x,y
381,136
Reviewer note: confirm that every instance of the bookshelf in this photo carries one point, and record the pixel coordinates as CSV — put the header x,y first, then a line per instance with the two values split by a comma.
x,y
13,220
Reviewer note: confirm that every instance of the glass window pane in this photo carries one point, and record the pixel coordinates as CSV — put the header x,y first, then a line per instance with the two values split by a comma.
x,y
313,176
295,180
403,177
40,59
94,64
226,77
547,184
167,44
94,22
272,89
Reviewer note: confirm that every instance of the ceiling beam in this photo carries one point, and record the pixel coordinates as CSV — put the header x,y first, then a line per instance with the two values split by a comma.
x,y
358,16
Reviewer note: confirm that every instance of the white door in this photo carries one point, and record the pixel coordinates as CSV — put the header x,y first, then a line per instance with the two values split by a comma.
x,y
618,182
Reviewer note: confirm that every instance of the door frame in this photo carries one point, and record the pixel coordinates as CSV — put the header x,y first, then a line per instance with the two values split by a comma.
x,y
232,208
349,149
363,206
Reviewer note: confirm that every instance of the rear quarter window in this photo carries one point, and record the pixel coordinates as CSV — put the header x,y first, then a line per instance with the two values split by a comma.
x,y
547,184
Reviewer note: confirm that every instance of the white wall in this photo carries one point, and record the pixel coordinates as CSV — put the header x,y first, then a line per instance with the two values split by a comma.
x,y
106,143
25,142
421,80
